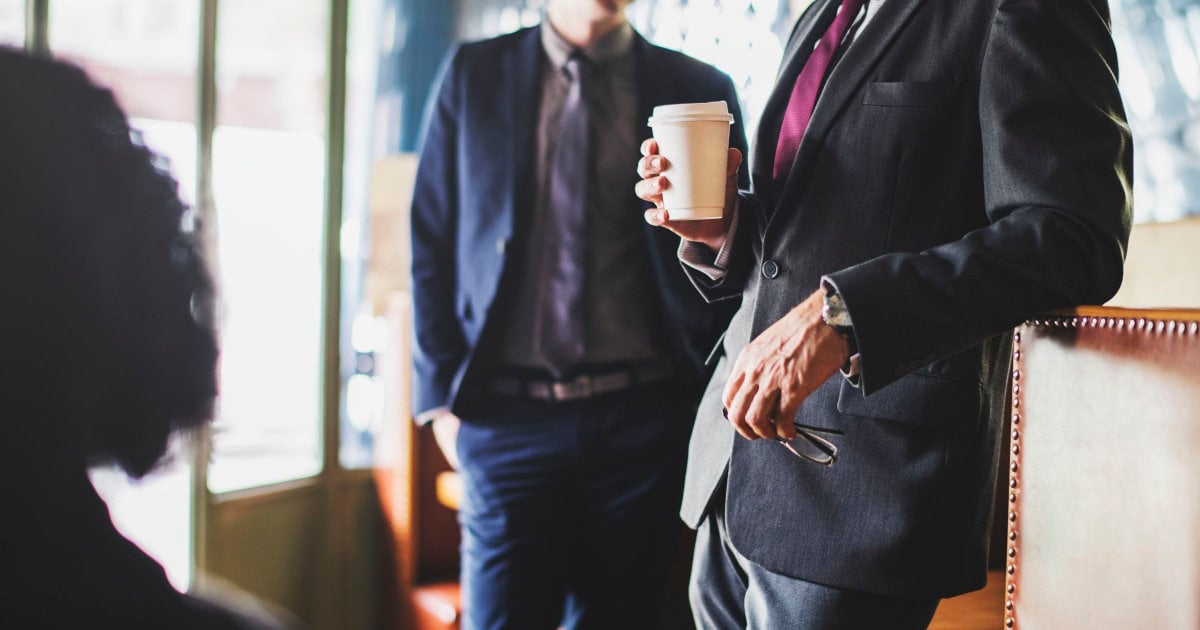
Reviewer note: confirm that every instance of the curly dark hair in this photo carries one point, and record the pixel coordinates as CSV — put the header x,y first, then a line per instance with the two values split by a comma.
x,y
106,342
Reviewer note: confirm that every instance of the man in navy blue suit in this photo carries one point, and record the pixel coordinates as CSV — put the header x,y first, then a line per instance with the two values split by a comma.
x,y
559,346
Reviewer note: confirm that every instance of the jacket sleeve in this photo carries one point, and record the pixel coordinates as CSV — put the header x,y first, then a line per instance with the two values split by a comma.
x,y
739,256
439,346
1057,177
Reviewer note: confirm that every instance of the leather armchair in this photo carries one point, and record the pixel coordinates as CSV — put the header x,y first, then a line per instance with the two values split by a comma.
x,y
1104,487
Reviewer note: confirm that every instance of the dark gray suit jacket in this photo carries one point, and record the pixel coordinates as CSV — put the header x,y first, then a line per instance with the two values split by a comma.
x,y
968,164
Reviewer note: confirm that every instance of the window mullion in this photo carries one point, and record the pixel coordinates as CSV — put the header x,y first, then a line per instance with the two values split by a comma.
x,y
37,18
206,117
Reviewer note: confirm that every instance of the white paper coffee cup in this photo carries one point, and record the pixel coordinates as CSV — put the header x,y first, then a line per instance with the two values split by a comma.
x,y
694,137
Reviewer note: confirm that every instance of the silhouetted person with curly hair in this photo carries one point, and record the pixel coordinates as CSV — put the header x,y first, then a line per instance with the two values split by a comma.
x,y
106,352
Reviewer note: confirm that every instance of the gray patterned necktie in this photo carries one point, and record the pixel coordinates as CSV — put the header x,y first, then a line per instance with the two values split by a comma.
x,y
560,327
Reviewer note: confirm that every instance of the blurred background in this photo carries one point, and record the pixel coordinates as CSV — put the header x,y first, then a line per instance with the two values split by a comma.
x,y
290,125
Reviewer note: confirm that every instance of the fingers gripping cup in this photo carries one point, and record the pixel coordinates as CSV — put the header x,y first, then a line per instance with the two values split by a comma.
x,y
694,137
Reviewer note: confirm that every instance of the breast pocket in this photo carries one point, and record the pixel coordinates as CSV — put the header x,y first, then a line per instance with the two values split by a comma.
x,y
909,93
918,399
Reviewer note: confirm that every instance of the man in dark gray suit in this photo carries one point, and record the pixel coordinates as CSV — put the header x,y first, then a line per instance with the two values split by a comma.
x,y
927,174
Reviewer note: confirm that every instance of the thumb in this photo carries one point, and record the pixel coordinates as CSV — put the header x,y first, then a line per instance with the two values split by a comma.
x,y
733,162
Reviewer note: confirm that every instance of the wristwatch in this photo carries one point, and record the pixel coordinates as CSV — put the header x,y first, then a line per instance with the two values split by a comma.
x,y
834,312
835,315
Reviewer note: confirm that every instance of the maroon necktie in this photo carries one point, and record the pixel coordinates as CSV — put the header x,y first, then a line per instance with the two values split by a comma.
x,y
808,84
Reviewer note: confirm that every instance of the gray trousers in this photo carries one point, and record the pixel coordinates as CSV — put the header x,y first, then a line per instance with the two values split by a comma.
x,y
729,591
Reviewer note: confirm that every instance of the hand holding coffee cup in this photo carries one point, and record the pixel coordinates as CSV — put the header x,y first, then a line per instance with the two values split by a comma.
x,y
689,171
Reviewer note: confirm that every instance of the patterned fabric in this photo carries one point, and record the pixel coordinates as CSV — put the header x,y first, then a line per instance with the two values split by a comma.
x,y
560,326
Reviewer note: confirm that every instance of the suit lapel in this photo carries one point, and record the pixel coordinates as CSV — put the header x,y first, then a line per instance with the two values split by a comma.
x,y
843,83
652,82
522,101
649,82
808,29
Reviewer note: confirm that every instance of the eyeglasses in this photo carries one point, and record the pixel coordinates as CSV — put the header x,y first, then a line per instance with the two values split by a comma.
x,y
808,445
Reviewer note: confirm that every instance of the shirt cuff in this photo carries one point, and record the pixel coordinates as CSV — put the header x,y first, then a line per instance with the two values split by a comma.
x,y
425,417
699,257
852,371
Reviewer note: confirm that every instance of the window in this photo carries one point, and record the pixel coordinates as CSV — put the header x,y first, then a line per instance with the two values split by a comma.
x,y
744,38
269,193
487,18
268,186
1159,49
145,51
12,22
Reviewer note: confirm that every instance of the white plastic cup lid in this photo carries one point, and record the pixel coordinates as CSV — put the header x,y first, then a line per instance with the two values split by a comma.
x,y
715,111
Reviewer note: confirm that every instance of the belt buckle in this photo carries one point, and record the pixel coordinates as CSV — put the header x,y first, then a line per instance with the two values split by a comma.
x,y
578,387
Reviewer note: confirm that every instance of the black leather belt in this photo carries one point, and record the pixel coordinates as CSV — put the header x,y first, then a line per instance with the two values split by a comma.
x,y
579,387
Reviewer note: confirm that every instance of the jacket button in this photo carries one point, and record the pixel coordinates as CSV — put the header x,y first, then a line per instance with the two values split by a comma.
x,y
770,269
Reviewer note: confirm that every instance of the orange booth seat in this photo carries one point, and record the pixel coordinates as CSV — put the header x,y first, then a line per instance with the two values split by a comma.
x,y
438,605
420,584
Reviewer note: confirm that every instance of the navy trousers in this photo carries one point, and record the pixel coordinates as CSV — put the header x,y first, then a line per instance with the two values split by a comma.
x,y
569,514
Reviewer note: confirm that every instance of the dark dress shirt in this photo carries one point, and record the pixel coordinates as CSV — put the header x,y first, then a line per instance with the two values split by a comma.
x,y
619,295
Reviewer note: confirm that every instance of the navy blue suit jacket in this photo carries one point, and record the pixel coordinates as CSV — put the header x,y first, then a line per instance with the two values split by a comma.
x,y
471,199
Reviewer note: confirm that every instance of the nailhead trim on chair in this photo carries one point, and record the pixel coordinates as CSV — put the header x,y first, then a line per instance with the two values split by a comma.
x,y
1013,484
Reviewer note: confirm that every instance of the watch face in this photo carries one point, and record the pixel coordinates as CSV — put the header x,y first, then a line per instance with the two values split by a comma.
x,y
834,312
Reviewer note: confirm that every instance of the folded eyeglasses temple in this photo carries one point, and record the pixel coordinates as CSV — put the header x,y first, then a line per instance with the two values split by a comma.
x,y
818,442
